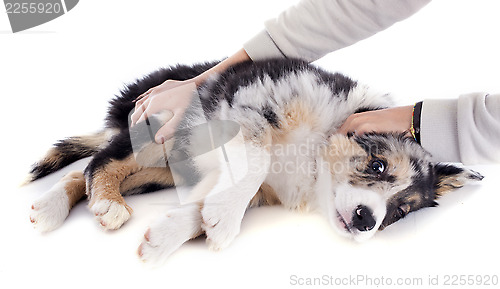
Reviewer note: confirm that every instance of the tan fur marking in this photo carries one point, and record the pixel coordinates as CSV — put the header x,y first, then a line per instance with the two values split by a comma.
x,y
53,156
145,176
75,187
94,141
447,184
153,154
98,139
339,154
400,167
106,181
341,147
415,200
297,114
265,197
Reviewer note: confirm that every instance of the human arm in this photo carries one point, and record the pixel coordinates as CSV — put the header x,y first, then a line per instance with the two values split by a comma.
x,y
313,28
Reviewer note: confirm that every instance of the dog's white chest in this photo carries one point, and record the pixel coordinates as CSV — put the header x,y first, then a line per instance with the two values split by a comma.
x,y
292,173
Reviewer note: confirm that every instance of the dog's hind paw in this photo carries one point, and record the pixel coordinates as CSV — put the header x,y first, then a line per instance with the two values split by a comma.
x,y
50,210
111,214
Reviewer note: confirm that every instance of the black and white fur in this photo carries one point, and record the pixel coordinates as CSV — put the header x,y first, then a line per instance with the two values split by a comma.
x,y
361,183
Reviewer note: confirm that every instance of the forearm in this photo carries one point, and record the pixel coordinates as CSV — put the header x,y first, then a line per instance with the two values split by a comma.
x,y
238,57
313,28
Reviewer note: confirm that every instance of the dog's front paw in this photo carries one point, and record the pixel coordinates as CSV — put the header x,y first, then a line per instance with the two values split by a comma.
x,y
49,211
221,225
169,232
110,214
160,240
150,251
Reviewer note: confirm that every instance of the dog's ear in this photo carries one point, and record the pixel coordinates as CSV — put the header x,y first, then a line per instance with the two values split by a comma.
x,y
449,177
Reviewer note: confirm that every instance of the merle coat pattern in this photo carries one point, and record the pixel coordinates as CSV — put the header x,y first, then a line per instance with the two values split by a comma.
x,y
361,183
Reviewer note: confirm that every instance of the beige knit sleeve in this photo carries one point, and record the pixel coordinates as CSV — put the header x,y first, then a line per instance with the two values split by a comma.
x,y
313,28
464,130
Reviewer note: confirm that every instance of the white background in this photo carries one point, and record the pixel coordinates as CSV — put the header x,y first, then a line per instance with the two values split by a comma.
x,y
56,80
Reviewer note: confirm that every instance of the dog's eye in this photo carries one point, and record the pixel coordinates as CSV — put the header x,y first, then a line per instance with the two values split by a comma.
x,y
403,210
377,166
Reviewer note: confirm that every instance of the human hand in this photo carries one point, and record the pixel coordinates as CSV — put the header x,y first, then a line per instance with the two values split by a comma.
x,y
396,119
176,95
172,95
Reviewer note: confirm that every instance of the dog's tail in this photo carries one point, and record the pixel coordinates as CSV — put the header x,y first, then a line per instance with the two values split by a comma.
x,y
69,150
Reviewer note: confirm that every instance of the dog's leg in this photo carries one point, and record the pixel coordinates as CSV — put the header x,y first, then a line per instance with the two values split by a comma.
x,y
178,226
103,190
170,231
147,180
223,210
107,173
50,210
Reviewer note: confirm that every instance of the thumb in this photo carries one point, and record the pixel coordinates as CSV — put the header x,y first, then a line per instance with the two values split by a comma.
x,y
343,129
167,130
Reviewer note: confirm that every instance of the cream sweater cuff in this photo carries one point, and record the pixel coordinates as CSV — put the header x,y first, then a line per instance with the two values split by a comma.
x,y
438,129
262,46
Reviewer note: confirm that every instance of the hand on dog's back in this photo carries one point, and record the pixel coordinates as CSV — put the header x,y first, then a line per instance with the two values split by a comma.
x,y
176,95
171,95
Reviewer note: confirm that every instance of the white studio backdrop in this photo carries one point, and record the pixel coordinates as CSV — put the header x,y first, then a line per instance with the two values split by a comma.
x,y
56,80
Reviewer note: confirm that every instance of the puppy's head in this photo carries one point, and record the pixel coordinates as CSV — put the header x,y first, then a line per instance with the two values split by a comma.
x,y
374,180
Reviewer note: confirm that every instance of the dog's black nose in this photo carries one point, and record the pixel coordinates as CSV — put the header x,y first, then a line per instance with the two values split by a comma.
x,y
362,219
